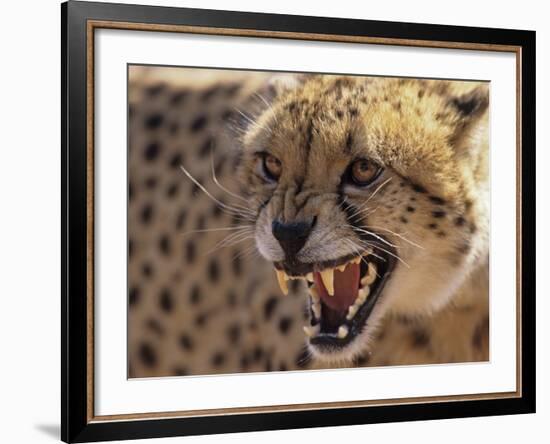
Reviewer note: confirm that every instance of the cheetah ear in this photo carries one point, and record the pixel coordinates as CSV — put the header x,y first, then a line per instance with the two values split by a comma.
x,y
470,108
281,83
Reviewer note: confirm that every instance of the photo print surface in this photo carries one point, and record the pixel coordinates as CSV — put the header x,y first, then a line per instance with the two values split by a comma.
x,y
289,221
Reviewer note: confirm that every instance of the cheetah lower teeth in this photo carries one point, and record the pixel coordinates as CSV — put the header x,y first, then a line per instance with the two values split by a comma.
x,y
343,331
312,331
362,296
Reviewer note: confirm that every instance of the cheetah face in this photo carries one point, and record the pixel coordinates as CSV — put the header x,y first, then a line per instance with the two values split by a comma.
x,y
359,190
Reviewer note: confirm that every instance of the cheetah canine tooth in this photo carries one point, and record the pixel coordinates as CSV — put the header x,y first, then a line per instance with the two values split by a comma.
x,y
282,278
371,275
311,331
327,276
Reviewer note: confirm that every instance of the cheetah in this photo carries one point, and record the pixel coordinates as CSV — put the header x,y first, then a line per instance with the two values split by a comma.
x,y
279,222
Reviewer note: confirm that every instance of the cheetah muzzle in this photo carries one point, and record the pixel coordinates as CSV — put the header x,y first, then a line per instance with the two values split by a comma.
x,y
342,295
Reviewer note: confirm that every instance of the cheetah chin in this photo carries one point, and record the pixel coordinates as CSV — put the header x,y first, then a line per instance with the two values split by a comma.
x,y
342,296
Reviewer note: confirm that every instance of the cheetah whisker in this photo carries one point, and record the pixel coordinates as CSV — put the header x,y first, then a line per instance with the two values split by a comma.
x,y
253,122
400,236
231,240
387,252
209,230
380,238
376,191
262,98
216,181
231,210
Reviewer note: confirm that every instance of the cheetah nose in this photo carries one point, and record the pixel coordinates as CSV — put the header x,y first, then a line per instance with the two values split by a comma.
x,y
292,236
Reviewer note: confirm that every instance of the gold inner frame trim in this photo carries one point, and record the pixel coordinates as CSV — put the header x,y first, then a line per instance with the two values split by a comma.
x,y
98,24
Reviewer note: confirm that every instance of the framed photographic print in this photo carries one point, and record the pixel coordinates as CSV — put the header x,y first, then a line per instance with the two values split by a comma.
x,y
277,221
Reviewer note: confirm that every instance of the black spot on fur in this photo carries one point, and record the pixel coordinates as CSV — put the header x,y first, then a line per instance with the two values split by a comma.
x,y
437,200
190,252
284,325
196,295
130,191
460,221
362,360
199,123
283,367
180,371
180,220
473,228
234,333
209,93
218,359
404,219
155,326
420,338
441,234
244,362
269,307
151,151
432,226
172,190
154,121
421,93
217,210
164,245
146,214
207,147
176,161
147,355
418,188
214,270
257,353
438,214
151,182
166,302
179,97
410,209
233,89
147,270
201,319
155,90
133,296
186,342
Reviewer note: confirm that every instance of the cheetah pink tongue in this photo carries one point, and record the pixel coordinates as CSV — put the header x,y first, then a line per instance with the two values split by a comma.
x,y
346,286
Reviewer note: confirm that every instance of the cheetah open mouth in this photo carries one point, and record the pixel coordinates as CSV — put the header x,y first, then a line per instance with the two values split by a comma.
x,y
342,295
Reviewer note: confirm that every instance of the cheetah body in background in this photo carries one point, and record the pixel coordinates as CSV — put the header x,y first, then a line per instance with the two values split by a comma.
x,y
206,302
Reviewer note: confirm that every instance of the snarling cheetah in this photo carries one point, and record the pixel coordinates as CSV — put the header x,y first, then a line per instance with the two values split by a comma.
x,y
281,222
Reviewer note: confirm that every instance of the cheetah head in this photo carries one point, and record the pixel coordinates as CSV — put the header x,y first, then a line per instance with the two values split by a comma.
x,y
374,192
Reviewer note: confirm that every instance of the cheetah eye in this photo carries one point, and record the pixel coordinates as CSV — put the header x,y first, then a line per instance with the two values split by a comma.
x,y
363,172
272,167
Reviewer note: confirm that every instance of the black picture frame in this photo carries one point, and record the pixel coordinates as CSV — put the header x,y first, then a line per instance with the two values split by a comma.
x,y
76,423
